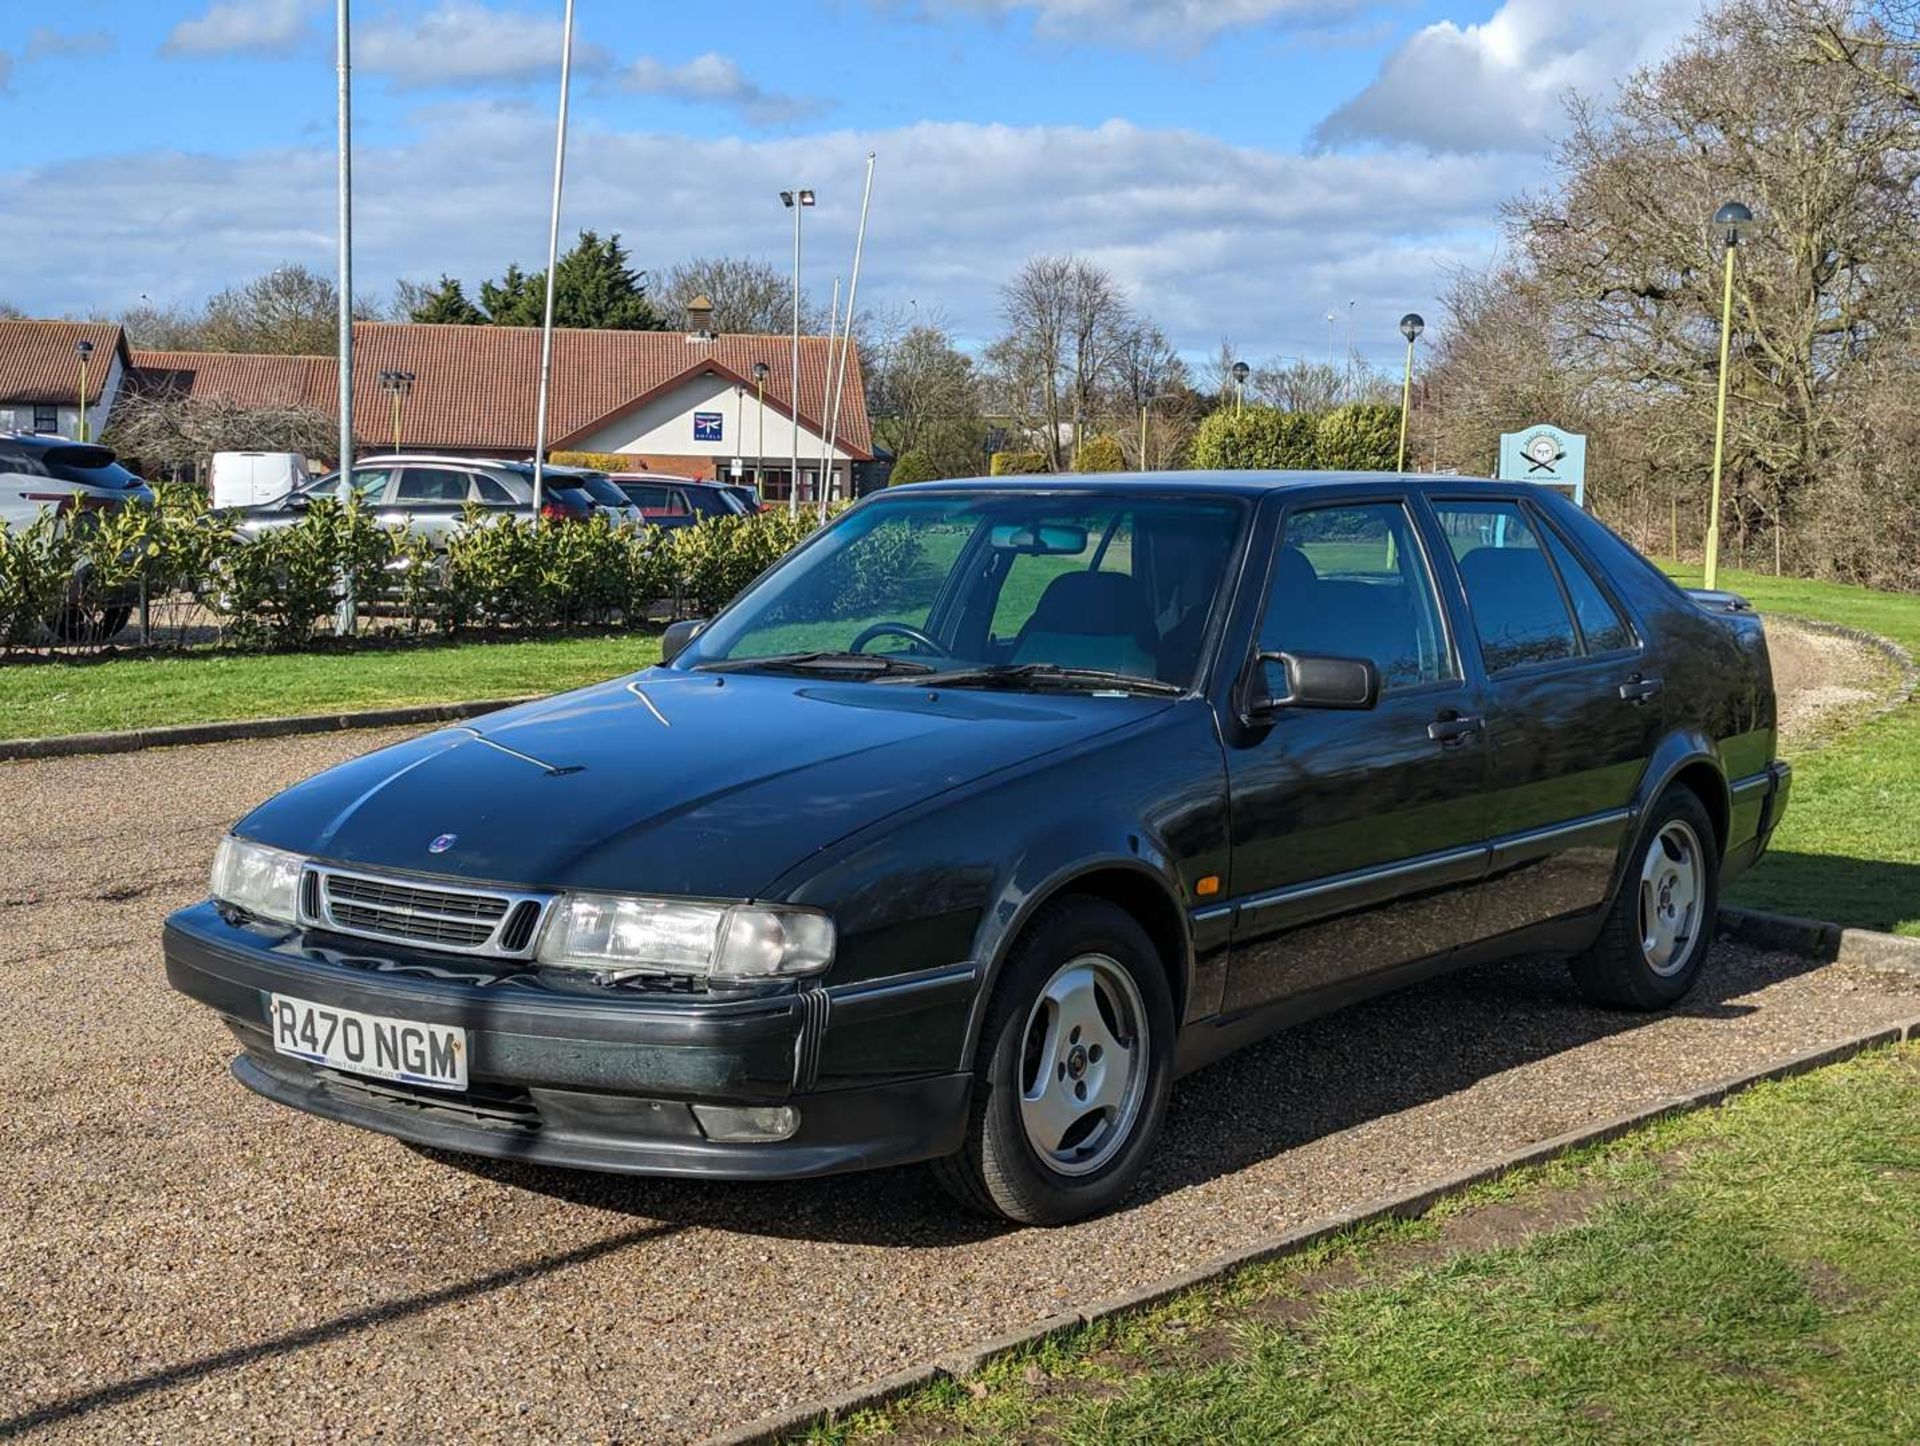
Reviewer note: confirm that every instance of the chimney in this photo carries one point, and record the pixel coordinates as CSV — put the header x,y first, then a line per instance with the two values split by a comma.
x,y
700,319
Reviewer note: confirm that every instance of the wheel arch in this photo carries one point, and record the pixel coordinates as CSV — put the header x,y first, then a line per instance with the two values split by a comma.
x,y
1130,884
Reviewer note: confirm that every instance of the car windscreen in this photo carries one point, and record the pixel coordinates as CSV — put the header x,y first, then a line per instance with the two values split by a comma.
x,y
89,466
1116,582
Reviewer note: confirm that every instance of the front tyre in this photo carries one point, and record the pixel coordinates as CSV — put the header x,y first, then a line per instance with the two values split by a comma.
x,y
1074,1068
1661,923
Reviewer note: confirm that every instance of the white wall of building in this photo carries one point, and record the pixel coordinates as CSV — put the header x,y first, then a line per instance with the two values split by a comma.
x,y
665,426
18,417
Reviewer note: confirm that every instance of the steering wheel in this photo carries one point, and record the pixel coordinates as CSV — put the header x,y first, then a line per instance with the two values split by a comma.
x,y
912,634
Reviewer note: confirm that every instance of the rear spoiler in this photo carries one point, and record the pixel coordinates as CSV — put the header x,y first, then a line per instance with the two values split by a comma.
x,y
1717,601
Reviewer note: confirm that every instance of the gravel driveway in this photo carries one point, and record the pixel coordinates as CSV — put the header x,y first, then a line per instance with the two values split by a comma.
x,y
182,1259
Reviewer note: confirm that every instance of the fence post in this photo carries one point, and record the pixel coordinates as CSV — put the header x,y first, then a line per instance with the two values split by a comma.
x,y
146,629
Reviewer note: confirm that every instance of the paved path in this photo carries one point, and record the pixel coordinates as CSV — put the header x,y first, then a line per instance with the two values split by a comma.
x,y
181,1259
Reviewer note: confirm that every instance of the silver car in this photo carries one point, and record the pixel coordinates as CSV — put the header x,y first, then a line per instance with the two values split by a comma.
x,y
428,495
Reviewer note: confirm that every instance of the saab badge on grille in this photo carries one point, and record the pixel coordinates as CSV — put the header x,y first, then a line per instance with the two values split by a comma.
x,y
443,843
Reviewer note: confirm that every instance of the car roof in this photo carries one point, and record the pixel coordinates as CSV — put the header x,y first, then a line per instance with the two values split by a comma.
x,y
1227,483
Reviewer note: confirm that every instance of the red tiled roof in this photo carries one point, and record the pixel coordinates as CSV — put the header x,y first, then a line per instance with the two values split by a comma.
x,y
475,385
38,363
241,378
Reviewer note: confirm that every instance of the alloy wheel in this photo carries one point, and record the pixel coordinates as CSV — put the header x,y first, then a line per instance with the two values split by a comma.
x,y
1084,1064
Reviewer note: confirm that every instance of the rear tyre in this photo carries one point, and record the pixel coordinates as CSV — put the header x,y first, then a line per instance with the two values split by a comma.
x,y
1075,1064
1661,922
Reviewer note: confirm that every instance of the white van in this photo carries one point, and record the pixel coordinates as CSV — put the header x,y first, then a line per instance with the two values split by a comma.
x,y
246,479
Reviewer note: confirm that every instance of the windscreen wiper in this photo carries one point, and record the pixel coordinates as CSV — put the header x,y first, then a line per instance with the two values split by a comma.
x,y
1025,675
862,664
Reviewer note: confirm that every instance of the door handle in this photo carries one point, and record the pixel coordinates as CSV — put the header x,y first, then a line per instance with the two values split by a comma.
x,y
1638,689
1450,731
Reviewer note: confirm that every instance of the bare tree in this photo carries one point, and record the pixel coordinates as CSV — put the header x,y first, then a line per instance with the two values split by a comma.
x,y
1066,327
179,435
749,296
925,397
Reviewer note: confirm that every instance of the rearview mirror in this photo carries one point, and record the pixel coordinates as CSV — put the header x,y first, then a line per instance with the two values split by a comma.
x,y
674,641
1047,540
1310,681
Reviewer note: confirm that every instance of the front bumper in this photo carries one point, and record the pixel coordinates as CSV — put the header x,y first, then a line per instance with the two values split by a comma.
x,y
595,1080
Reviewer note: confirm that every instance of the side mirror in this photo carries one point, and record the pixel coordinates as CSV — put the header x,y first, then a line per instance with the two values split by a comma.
x,y
674,641
1349,684
299,501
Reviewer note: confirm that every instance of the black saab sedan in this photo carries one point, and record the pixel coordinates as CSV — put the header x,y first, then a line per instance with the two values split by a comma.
x,y
990,810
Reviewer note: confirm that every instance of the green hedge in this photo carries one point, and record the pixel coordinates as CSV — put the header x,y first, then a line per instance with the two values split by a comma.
x,y
911,467
282,589
1017,464
1099,454
1363,437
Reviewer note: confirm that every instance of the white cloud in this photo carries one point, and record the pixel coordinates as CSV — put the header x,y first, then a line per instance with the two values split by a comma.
x,y
1146,22
1503,85
460,42
43,41
1211,238
715,80
233,27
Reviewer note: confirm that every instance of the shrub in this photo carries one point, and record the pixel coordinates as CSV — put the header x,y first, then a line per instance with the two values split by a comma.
x,y
911,467
36,570
1017,464
1258,437
1099,454
1361,437
274,591
596,461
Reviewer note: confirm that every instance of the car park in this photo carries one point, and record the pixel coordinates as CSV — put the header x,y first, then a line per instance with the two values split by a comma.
x,y
428,495
674,502
42,474
991,809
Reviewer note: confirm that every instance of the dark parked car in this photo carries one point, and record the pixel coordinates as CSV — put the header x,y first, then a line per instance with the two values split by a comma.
x,y
987,812
672,502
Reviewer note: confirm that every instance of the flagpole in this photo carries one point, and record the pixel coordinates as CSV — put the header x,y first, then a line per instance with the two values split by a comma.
x,y
345,620
553,261
846,336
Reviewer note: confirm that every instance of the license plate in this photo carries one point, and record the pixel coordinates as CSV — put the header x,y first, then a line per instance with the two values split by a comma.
x,y
403,1050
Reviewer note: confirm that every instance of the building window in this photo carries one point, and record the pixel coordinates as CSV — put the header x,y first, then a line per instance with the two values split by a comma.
x,y
46,419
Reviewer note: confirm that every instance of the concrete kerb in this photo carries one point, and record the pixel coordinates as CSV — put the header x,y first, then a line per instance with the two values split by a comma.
x,y
177,735
1826,942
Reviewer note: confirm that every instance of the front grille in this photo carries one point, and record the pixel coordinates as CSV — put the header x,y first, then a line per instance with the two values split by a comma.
x,y
466,921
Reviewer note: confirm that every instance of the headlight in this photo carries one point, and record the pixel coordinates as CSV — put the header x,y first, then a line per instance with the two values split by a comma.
x,y
622,934
261,881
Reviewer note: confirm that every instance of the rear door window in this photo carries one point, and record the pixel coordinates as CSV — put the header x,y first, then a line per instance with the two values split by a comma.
x,y
1601,625
432,484
491,492
1519,610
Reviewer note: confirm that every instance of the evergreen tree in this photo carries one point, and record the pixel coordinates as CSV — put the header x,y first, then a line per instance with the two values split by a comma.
x,y
595,289
447,303
516,299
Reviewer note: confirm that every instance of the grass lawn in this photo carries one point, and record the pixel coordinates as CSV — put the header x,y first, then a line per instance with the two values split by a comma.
x,y
1741,1274
45,699
1849,848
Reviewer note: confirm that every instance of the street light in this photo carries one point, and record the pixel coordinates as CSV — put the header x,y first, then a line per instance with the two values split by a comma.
x,y
85,349
1730,222
1240,373
760,373
398,384
1411,325
796,201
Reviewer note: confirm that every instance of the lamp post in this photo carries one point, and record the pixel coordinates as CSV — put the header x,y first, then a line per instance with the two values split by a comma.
x,y
84,348
760,372
397,384
1730,222
1411,325
796,201
1240,373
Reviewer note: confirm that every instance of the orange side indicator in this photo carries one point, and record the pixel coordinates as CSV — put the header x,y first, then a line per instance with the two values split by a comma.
x,y
1208,885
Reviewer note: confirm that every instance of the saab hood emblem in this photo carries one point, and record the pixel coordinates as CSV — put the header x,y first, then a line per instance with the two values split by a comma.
x,y
443,843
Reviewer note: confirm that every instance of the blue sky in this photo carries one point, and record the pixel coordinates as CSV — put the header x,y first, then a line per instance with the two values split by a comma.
x,y
1244,166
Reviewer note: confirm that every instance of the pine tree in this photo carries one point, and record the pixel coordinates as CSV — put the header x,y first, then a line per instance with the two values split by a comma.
x,y
516,299
595,289
447,304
